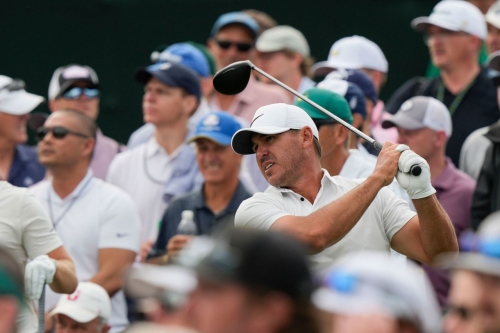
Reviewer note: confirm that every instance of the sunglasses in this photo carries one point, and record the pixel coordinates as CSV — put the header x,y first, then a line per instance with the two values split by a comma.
x,y
58,132
242,47
76,92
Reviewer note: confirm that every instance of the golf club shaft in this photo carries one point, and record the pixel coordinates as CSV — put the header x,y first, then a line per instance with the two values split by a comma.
x,y
372,141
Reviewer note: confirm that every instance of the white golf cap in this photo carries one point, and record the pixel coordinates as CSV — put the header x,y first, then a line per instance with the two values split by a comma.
x,y
14,99
283,37
372,282
454,15
354,52
272,119
493,15
88,302
419,112
64,77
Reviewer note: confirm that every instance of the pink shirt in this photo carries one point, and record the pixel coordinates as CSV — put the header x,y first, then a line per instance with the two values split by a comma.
x,y
104,152
380,134
255,95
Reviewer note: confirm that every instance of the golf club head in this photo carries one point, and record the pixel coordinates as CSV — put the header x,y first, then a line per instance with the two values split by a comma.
x,y
233,79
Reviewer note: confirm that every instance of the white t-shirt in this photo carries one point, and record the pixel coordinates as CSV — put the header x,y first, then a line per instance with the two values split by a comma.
x,y
142,172
385,216
96,215
26,232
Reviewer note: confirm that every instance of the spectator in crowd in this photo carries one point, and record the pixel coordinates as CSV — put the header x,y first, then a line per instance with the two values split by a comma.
x,y
165,166
369,292
98,222
305,201
232,39
283,52
18,163
481,257
360,53
424,125
482,5
189,56
249,281
462,308
348,84
88,309
215,204
76,87
454,33
27,233
11,292
493,21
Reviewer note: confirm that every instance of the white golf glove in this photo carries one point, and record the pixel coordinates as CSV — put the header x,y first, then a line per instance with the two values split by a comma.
x,y
39,271
418,187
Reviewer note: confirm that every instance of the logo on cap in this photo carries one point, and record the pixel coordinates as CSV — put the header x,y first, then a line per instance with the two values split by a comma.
x,y
165,66
167,56
335,52
211,120
353,102
408,105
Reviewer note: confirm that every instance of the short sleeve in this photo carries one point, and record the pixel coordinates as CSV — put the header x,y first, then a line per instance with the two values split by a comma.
x,y
38,234
121,226
259,212
395,212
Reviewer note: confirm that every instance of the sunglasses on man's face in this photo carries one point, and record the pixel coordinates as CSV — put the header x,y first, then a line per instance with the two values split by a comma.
x,y
58,132
76,92
242,47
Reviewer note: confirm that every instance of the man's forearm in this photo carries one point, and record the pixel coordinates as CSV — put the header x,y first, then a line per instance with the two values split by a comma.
x,y
436,228
65,281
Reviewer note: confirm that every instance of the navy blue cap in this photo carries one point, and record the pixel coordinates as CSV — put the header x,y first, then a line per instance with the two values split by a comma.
x,y
350,91
235,17
360,79
187,55
217,126
171,74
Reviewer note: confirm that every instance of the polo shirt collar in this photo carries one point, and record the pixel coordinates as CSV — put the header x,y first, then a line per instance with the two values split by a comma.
x,y
79,189
239,195
446,180
249,94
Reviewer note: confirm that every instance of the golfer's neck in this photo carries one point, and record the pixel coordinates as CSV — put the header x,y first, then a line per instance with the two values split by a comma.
x,y
308,186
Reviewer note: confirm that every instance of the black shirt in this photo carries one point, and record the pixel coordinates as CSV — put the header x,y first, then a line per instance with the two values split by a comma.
x,y
478,108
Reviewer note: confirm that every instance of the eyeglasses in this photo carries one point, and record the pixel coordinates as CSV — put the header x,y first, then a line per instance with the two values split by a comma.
x,y
242,47
470,242
76,92
58,132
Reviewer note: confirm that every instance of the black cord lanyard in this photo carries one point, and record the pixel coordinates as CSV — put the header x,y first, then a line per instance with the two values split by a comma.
x,y
55,222
458,99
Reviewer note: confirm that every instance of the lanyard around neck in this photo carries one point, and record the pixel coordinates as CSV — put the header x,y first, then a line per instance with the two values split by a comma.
x,y
457,100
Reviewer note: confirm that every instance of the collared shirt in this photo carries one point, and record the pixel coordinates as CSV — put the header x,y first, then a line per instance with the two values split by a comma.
x,y
385,216
25,169
152,177
96,215
203,216
454,190
255,95
26,232
104,152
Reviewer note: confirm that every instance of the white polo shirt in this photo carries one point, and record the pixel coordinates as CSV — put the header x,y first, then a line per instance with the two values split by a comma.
x,y
142,172
385,216
26,232
96,215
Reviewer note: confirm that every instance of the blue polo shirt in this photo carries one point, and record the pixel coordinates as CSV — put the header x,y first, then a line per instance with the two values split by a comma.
x,y
204,218
25,170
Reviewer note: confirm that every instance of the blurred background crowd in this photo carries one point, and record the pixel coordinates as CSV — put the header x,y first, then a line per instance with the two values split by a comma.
x,y
119,185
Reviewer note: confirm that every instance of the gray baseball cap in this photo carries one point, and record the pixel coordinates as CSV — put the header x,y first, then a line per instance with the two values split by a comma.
x,y
283,37
419,112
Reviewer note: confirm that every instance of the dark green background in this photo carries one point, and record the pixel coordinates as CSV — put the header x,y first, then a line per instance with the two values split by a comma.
x,y
117,36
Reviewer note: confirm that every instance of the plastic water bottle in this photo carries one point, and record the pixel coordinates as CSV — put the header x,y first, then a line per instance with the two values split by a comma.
x,y
187,225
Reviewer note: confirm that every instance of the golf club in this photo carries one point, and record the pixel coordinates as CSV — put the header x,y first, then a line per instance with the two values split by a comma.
x,y
233,79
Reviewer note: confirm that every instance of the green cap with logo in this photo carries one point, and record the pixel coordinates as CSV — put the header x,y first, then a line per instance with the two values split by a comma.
x,y
331,101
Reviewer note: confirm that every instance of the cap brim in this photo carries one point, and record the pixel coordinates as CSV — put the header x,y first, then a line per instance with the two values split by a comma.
x,y
20,103
471,261
421,23
146,280
75,312
218,138
143,75
403,122
242,140
322,68
37,120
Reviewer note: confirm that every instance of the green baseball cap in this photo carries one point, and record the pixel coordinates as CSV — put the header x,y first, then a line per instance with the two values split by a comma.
x,y
331,101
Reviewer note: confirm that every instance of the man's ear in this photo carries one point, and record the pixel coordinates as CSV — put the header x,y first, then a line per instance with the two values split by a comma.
x,y
307,136
190,103
441,139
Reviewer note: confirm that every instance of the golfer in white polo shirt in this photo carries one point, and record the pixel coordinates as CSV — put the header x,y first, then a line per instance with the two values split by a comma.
x,y
97,221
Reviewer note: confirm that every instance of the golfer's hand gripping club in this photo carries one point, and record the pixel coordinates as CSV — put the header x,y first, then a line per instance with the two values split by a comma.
x,y
39,271
233,79
418,186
